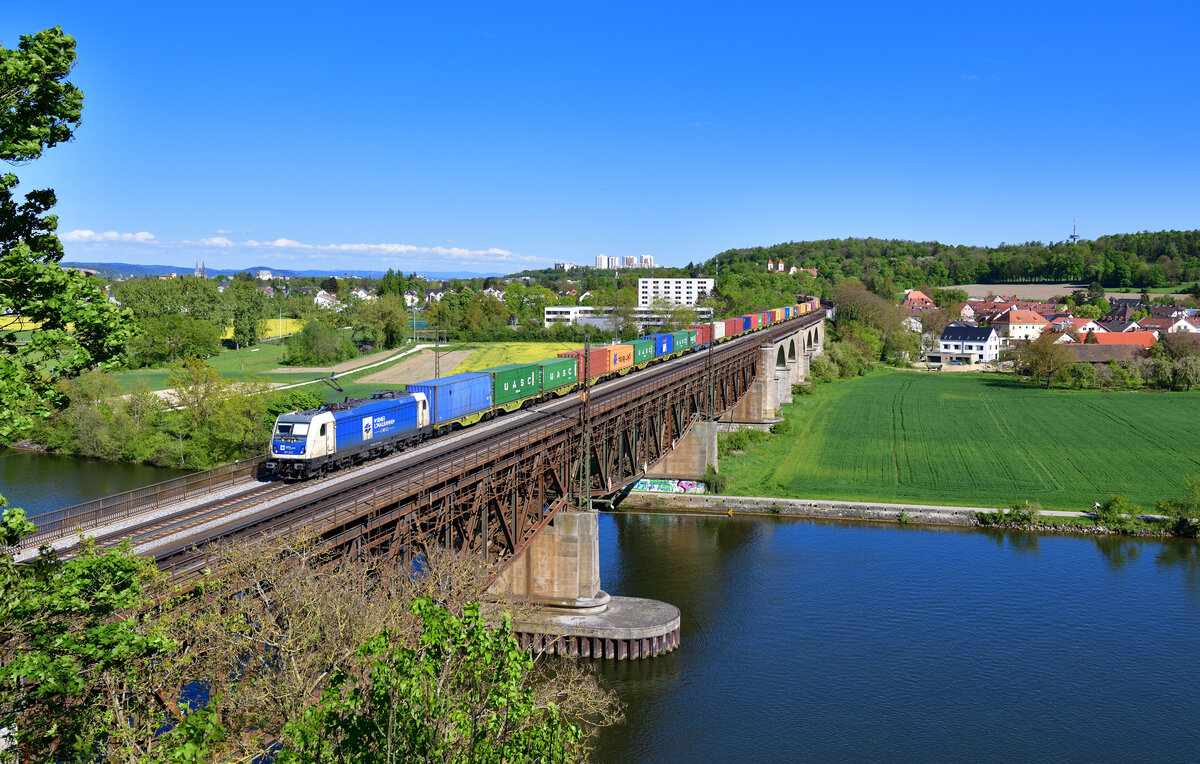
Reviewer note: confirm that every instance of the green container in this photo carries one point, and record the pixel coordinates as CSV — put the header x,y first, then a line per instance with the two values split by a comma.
x,y
558,372
514,381
643,350
684,340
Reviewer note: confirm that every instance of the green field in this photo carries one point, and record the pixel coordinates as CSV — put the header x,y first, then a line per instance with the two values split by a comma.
x,y
974,440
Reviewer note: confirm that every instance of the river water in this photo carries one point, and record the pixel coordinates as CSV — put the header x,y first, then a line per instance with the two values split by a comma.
x,y
818,641
44,482
810,640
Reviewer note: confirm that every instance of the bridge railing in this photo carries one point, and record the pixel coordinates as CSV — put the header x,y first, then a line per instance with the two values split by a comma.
x,y
91,514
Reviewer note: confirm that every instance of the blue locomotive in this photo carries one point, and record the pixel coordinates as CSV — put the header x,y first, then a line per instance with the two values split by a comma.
x,y
307,443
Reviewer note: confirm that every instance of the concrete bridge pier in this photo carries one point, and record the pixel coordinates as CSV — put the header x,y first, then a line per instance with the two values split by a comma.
x,y
690,457
560,575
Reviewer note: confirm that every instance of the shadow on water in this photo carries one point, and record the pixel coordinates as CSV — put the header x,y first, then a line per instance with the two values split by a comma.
x,y
1119,551
1018,541
1182,555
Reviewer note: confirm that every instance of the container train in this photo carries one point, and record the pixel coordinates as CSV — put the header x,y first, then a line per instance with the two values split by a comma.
x,y
308,443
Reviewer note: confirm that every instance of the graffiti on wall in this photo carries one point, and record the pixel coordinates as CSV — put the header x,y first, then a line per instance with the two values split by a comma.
x,y
651,485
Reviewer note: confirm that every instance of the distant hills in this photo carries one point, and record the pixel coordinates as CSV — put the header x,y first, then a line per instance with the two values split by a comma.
x,y
118,270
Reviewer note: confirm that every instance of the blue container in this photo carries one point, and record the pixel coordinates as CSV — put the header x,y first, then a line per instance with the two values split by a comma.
x,y
376,420
664,344
455,397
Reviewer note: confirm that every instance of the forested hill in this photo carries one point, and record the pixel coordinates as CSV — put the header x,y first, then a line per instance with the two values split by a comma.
x,y
1134,260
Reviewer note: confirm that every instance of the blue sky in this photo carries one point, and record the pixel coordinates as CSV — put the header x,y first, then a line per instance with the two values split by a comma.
x,y
496,136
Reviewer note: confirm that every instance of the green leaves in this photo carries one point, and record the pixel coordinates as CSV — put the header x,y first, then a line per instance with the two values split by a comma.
x,y
461,694
38,108
78,652
79,328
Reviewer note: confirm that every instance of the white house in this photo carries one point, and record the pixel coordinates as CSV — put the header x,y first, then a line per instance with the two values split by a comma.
x,y
411,299
363,294
970,344
325,300
1018,325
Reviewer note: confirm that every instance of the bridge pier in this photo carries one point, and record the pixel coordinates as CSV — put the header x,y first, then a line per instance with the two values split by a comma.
x,y
560,574
690,457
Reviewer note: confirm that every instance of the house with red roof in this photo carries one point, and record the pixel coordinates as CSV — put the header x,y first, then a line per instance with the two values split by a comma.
x,y
1019,326
1165,325
1142,339
915,298
1080,326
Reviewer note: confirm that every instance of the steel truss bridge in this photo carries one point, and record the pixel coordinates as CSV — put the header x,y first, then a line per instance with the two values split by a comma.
x,y
488,490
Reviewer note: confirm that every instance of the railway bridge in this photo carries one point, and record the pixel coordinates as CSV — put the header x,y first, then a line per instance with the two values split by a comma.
x,y
509,490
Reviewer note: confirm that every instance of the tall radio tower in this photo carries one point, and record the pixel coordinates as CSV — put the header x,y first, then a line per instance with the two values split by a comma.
x,y
1074,237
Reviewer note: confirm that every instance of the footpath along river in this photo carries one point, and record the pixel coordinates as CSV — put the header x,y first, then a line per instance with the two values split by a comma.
x,y
811,640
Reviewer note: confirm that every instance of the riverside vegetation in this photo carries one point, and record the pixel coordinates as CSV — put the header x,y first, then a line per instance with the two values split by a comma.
x,y
281,650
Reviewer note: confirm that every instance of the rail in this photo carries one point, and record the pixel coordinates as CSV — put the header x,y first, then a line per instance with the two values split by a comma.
x,y
88,515
91,514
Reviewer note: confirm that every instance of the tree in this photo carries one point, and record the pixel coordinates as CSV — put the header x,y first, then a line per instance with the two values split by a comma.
x,y
317,344
78,328
1045,359
330,284
245,303
1187,371
1090,338
462,693
83,671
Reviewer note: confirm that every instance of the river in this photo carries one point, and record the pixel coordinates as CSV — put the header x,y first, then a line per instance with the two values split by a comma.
x,y
43,482
824,640
812,640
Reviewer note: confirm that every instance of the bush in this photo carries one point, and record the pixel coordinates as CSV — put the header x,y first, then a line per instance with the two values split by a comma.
x,y
781,428
714,481
1118,513
822,369
318,344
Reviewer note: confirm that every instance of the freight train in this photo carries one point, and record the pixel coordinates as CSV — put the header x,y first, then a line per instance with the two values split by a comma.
x,y
308,443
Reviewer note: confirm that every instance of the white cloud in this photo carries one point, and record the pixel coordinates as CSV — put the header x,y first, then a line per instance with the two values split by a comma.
x,y
223,231
493,254
283,250
84,235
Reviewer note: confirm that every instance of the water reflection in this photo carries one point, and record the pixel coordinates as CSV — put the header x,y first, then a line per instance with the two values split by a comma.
x,y
1182,556
1118,551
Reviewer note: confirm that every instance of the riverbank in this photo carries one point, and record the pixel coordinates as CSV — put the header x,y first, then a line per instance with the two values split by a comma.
x,y
1046,521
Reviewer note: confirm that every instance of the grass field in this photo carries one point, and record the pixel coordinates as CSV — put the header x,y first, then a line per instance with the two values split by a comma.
x,y
974,440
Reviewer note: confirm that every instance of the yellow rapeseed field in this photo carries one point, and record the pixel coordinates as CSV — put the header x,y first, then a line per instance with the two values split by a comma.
x,y
500,353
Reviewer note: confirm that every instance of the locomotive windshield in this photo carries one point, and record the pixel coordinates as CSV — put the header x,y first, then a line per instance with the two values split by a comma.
x,y
287,429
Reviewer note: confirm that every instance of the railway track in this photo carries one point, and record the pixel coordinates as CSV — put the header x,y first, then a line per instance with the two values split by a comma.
x,y
167,532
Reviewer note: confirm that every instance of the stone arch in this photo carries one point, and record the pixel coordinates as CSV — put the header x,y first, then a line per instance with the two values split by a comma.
x,y
792,349
780,359
808,341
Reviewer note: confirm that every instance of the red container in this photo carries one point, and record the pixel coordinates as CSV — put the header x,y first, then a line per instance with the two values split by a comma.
x,y
734,327
703,333
603,360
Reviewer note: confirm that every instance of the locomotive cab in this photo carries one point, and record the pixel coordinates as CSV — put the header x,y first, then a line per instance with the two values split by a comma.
x,y
302,442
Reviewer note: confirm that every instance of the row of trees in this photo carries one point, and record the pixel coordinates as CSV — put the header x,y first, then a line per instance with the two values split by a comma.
x,y
187,316
1173,363
207,420
279,653
1119,261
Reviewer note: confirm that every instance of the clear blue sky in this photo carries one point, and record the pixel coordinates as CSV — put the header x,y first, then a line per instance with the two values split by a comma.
x,y
496,136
